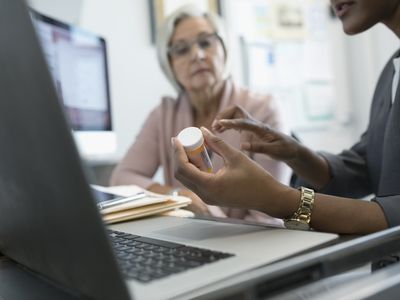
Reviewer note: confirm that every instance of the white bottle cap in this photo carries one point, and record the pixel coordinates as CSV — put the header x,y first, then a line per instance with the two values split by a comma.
x,y
191,138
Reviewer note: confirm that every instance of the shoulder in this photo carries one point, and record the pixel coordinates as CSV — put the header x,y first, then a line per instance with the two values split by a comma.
x,y
261,106
254,102
169,101
162,113
166,106
384,81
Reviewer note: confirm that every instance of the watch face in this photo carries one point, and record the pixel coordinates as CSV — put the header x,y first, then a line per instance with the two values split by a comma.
x,y
296,224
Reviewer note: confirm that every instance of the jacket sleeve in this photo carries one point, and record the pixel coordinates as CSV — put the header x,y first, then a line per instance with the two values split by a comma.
x,y
140,163
350,179
391,208
349,172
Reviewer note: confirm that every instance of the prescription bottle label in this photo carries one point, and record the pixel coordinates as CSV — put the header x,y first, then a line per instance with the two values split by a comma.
x,y
200,158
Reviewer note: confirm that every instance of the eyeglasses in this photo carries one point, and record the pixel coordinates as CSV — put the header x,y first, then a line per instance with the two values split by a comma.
x,y
183,48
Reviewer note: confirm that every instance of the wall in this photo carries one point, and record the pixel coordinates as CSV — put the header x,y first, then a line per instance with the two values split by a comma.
x,y
66,11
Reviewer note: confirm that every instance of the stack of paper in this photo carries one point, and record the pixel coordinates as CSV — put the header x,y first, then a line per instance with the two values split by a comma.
x,y
146,204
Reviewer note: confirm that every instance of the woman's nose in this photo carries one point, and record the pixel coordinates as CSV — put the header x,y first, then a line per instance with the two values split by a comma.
x,y
197,52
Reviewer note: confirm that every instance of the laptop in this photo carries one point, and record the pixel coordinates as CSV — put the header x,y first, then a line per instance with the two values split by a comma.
x,y
49,221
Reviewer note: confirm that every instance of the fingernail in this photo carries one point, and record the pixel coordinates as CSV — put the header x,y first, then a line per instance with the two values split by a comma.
x,y
206,130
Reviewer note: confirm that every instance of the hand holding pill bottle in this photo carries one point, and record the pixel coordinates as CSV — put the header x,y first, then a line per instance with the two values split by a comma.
x,y
192,141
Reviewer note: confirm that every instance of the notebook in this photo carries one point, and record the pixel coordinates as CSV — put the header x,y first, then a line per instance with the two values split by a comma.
x,y
49,221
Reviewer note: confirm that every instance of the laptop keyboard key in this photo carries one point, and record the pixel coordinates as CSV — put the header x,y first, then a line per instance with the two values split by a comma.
x,y
158,242
146,259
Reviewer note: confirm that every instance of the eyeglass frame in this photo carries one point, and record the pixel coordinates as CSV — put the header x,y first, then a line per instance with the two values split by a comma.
x,y
190,44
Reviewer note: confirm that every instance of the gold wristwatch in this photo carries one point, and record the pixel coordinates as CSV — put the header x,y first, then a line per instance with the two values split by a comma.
x,y
302,217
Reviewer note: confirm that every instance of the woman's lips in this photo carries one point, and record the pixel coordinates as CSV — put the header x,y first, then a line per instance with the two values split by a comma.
x,y
199,71
342,8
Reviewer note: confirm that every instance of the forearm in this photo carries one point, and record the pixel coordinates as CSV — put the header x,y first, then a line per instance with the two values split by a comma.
x,y
330,213
311,167
344,215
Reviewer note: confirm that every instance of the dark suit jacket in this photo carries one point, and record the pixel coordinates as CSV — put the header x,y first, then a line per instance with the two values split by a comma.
x,y
372,166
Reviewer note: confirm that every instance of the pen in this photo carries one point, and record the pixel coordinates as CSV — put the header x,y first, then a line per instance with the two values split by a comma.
x,y
111,203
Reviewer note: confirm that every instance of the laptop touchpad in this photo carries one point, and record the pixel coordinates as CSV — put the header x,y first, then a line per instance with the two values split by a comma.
x,y
200,231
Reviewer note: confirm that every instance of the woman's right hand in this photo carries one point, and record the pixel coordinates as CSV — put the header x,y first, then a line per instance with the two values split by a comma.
x,y
260,138
240,183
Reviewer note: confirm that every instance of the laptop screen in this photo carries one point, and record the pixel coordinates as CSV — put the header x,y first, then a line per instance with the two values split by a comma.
x,y
49,221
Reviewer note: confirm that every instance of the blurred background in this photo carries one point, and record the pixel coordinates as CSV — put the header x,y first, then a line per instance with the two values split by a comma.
x,y
295,50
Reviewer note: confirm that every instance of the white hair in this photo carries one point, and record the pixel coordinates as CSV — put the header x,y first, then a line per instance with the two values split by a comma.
x,y
167,29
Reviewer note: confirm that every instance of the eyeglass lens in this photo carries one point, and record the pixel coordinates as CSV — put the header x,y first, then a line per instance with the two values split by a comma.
x,y
182,48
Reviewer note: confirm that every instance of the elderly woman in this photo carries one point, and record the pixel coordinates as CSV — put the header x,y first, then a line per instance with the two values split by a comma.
x,y
193,54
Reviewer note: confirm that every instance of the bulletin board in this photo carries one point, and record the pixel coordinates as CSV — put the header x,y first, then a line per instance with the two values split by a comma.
x,y
286,53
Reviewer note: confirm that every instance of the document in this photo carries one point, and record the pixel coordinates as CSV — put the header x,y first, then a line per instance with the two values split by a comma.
x,y
130,202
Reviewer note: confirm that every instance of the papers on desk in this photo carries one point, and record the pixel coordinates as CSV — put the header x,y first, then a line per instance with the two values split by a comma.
x,y
136,203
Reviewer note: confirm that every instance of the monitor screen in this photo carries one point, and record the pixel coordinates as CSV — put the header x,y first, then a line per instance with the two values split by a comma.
x,y
77,60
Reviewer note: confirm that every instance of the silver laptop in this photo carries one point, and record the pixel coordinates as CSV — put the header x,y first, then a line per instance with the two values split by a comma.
x,y
49,221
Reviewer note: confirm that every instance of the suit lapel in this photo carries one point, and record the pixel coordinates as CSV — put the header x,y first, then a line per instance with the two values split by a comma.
x,y
390,173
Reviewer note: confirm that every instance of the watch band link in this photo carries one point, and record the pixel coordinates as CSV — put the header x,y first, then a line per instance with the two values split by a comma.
x,y
303,213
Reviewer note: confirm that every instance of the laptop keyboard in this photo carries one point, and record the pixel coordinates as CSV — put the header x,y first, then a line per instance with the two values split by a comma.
x,y
146,259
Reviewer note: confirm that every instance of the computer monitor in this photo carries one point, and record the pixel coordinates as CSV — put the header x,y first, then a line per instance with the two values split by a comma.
x,y
77,60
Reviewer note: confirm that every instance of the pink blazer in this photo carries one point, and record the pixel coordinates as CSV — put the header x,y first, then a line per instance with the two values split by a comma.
x,y
152,147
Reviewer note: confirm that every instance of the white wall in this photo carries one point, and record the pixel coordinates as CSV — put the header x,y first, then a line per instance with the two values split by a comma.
x,y
67,11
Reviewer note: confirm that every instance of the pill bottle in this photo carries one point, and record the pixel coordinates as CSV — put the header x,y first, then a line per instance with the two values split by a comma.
x,y
192,140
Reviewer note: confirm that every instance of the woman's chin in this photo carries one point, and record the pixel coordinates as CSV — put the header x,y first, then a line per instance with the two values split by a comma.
x,y
203,83
352,26
351,30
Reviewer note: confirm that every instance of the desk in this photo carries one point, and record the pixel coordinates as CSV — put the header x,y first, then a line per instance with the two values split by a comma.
x,y
16,283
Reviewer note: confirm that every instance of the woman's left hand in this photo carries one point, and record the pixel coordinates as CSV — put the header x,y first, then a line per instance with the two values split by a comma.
x,y
198,207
